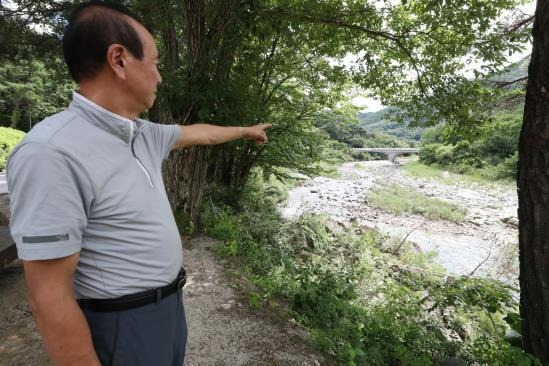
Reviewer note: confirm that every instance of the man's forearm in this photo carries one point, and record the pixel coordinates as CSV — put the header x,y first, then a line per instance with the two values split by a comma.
x,y
221,134
206,134
65,332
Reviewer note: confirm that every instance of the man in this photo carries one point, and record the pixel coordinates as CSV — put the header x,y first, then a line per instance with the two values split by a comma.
x,y
90,216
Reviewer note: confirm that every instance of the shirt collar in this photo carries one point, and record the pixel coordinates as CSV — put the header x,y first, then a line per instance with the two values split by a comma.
x,y
108,121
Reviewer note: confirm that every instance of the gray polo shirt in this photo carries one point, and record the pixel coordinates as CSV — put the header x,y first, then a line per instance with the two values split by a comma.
x,y
87,180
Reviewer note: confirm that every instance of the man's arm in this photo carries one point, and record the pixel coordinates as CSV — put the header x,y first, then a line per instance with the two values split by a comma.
x,y
61,323
205,134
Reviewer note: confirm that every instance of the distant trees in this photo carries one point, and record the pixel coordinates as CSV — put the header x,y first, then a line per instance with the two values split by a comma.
x,y
29,92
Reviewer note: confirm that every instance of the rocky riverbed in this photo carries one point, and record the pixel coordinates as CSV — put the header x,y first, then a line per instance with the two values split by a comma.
x,y
485,243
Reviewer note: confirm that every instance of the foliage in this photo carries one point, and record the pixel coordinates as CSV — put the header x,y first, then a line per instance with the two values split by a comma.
x,y
435,171
29,93
400,200
229,63
489,150
345,132
9,137
492,154
367,306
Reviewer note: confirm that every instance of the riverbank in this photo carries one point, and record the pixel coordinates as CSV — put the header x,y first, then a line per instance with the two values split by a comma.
x,y
485,242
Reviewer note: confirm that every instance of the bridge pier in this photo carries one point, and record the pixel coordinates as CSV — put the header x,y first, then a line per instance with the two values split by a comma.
x,y
392,156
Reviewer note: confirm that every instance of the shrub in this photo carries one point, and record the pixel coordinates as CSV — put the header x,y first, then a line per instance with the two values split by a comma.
x,y
9,137
428,152
508,167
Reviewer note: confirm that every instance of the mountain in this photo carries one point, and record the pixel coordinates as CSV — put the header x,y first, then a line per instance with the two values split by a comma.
x,y
379,122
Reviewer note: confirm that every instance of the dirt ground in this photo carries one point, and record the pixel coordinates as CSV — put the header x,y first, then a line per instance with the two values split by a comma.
x,y
223,328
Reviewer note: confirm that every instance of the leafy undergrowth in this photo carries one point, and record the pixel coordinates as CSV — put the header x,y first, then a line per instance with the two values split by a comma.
x,y
9,137
484,176
367,304
400,200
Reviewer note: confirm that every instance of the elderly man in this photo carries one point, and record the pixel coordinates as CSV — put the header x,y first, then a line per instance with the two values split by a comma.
x,y
90,216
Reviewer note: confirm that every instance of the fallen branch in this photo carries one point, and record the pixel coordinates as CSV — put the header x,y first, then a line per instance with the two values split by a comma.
x,y
397,250
481,263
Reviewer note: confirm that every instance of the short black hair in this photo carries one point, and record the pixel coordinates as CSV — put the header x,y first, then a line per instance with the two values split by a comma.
x,y
94,26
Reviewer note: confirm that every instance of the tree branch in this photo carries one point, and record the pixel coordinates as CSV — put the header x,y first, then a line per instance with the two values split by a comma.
x,y
502,84
331,22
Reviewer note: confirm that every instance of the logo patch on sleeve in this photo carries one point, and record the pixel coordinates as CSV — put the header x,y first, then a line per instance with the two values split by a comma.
x,y
45,238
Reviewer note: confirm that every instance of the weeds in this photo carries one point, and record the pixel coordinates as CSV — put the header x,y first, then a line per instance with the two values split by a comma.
x,y
400,200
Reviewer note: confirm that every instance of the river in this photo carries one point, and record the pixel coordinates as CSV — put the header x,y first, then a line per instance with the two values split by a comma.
x,y
485,242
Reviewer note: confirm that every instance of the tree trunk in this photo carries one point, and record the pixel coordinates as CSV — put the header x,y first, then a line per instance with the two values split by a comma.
x,y
185,177
185,172
533,194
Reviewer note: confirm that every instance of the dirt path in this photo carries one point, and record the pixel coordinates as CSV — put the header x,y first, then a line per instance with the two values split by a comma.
x,y
223,329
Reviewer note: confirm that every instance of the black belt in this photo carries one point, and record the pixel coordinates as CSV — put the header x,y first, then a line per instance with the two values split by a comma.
x,y
131,301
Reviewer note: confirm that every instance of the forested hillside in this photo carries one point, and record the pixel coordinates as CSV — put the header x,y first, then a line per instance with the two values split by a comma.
x,y
380,122
491,148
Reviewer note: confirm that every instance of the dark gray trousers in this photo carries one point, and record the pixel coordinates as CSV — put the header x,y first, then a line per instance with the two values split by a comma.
x,y
151,335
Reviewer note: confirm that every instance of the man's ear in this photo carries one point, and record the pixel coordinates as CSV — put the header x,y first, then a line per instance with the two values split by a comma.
x,y
116,60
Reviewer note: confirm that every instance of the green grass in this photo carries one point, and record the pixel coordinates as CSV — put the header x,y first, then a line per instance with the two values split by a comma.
x,y
417,169
329,170
401,200
9,137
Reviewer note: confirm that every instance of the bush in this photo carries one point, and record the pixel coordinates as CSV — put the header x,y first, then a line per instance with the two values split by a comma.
x,y
508,167
493,149
366,306
9,138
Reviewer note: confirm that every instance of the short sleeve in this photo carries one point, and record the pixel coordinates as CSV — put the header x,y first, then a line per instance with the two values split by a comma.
x,y
48,200
163,137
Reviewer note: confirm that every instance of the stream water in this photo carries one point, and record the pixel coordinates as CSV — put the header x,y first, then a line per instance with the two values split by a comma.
x,y
485,243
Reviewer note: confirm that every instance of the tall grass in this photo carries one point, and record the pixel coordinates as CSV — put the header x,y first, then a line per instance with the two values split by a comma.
x,y
486,176
401,200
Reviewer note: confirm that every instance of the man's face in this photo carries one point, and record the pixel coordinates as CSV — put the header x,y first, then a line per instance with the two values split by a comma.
x,y
142,76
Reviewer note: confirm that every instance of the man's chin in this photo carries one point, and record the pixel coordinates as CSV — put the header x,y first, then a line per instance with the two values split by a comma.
x,y
151,102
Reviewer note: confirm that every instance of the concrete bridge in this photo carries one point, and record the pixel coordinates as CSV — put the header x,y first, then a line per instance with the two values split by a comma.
x,y
390,152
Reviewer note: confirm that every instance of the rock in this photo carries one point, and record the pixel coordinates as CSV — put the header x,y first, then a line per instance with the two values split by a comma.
x,y
511,221
445,175
343,224
314,190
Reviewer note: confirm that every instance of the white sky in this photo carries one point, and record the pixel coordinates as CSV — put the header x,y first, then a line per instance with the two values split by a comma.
x,y
374,105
